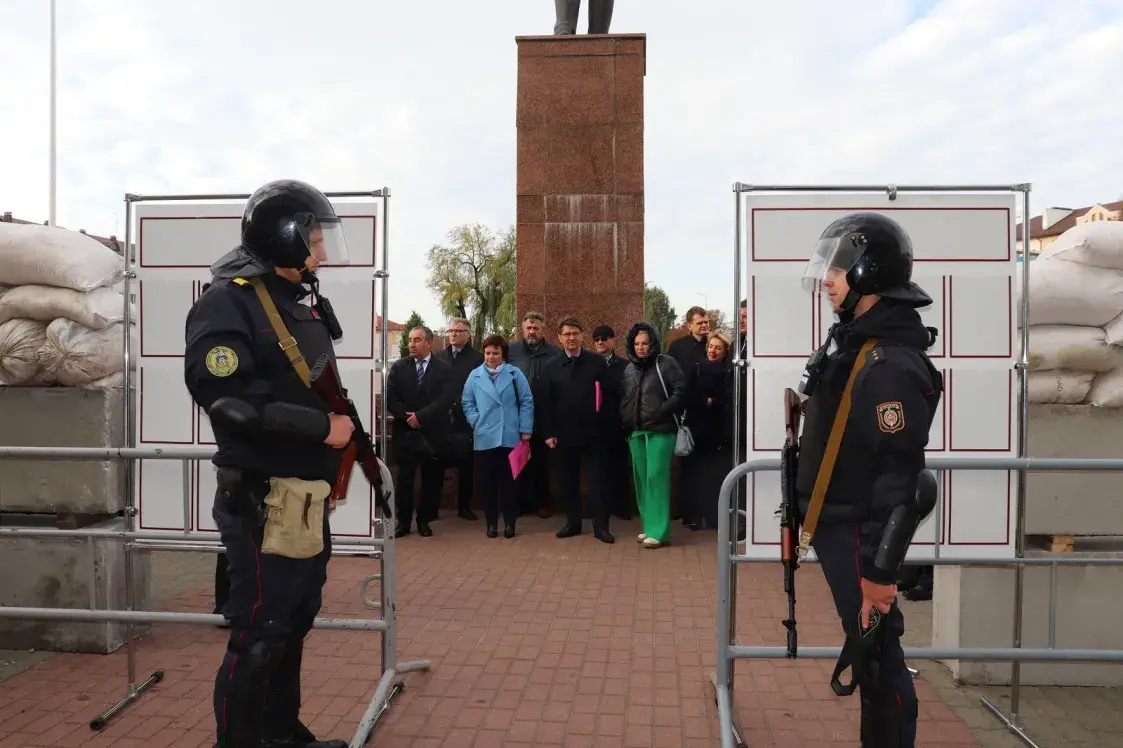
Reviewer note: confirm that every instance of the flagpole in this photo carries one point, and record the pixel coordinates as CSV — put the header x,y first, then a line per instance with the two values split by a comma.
x,y
53,136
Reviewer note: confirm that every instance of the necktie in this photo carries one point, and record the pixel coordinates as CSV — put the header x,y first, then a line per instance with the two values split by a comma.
x,y
420,370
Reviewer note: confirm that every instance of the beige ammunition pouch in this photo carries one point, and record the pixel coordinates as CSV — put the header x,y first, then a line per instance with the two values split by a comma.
x,y
294,525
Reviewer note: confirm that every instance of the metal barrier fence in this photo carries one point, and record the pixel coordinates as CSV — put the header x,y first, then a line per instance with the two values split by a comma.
x,y
728,651
381,548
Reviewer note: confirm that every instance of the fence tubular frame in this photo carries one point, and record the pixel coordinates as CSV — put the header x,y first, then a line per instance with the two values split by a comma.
x,y
728,651
381,548
727,540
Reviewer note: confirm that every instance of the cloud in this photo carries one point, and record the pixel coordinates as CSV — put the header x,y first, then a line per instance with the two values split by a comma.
x,y
420,96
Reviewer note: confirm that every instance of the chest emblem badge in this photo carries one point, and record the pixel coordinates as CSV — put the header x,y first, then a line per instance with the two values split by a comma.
x,y
222,361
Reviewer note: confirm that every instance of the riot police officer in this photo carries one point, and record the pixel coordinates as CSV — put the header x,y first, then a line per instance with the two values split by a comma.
x,y
861,481
247,343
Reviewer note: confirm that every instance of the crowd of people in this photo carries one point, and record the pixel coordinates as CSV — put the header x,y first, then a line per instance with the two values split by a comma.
x,y
509,415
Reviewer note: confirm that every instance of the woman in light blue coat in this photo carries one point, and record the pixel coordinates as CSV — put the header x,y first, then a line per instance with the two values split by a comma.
x,y
500,409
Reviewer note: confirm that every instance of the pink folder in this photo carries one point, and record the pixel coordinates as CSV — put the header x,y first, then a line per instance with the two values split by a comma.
x,y
600,397
519,456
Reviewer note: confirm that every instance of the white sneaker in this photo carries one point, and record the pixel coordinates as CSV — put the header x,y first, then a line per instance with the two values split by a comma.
x,y
641,537
651,543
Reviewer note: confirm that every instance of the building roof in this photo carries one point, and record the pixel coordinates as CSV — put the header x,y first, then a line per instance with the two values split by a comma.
x,y
392,326
1038,231
110,241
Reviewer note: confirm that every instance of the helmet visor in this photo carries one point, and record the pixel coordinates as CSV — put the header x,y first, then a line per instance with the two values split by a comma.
x,y
832,258
325,241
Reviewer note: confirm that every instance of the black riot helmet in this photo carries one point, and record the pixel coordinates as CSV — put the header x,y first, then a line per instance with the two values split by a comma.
x,y
874,254
286,221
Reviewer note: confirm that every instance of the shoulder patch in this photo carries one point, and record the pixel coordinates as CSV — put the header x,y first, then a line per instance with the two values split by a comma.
x,y
874,355
222,361
890,417
241,281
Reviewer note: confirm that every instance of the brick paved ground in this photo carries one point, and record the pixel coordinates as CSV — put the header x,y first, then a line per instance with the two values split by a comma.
x,y
534,641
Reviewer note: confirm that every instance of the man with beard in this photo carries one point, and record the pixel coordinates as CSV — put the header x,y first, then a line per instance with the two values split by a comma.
x,y
530,355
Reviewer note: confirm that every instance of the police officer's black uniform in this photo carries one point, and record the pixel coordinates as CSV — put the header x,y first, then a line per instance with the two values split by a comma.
x,y
871,507
267,423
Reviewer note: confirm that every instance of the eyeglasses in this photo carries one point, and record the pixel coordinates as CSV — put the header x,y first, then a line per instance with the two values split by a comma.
x,y
600,338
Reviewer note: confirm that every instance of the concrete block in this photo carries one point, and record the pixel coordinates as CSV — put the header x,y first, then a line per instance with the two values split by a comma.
x,y
974,607
1074,503
61,417
69,573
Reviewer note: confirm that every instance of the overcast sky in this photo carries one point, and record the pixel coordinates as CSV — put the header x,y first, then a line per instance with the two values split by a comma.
x,y
176,97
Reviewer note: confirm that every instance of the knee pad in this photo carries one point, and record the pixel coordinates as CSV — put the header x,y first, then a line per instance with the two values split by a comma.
x,y
256,664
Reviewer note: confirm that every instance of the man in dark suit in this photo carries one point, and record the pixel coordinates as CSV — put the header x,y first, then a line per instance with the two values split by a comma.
x,y
688,351
530,355
571,426
463,358
420,392
618,463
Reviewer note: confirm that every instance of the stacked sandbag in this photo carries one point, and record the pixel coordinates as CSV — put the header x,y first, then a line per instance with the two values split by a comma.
x,y
1076,318
58,298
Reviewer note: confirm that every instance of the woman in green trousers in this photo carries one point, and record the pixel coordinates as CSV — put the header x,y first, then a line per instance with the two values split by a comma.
x,y
651,394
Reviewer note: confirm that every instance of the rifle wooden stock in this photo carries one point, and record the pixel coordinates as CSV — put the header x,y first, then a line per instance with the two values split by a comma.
x,y
325,381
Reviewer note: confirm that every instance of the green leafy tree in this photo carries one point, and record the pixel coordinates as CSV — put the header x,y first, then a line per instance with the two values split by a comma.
x,y
473,276
413,321
657,309
719,322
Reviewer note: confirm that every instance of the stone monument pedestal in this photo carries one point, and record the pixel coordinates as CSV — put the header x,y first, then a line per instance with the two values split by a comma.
x,y
580,180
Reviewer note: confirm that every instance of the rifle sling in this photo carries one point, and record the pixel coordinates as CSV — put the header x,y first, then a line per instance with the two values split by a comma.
x,y
284,339
826,467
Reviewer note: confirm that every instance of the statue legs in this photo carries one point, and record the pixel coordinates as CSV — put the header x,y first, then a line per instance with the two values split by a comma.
x,y
600,16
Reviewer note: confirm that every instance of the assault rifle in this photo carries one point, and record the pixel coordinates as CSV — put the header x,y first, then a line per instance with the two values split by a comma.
x,y
789,509
325,381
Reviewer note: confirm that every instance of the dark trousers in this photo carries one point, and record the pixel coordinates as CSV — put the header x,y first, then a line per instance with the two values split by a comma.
x,y
533,485
570,460
221,583
889,706
617,475
432,479
465,481
272,603
497,487
708,467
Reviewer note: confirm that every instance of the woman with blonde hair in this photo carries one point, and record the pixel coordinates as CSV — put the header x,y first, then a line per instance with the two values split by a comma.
x,y
710,402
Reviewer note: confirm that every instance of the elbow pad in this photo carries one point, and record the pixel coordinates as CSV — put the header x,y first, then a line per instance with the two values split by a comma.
x,y
297,421
234,416
902,524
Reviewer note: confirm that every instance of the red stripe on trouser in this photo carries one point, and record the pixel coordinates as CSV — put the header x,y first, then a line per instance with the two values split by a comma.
x,y
253,617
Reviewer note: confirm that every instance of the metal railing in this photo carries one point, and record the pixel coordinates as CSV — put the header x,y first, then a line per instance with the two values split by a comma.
x,y
728,651
381,548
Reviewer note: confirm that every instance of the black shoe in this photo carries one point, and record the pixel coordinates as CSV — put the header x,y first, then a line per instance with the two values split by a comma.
x,y
569,531
301,737
467,514
401,531
509,531
424,530
604,536
918,593
492,531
